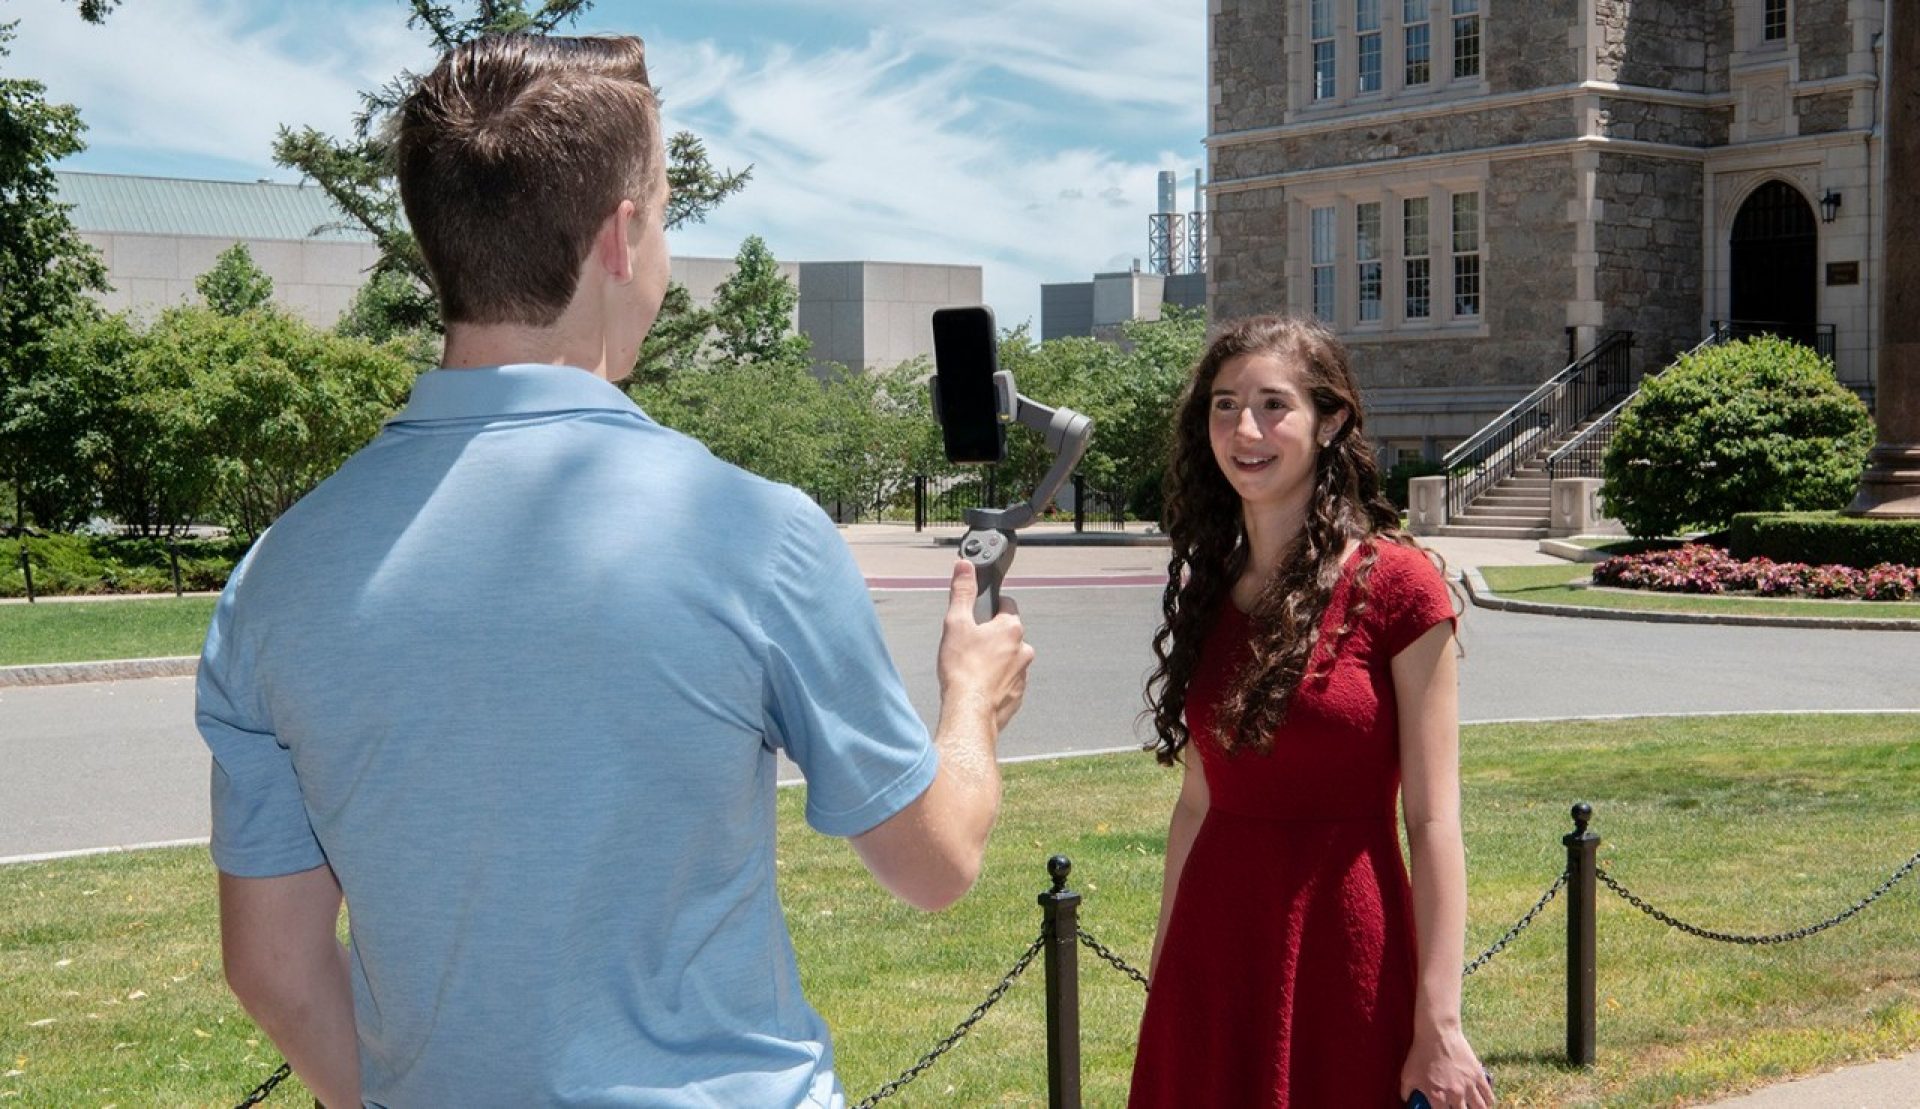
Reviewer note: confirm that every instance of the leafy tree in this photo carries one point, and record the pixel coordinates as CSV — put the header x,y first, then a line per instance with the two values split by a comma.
x,y
383,310
358,173
46,272
1754,426
235,285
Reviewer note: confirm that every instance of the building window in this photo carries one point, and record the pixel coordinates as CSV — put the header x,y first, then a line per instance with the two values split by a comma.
x,y
1345,52
1466,38
1325,86
1773,22
1323,274
1416,250
1366,252
1466,254
1417,33
1366,26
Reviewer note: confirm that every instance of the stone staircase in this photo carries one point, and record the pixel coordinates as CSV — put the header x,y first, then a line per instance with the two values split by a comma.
x,y
1517,507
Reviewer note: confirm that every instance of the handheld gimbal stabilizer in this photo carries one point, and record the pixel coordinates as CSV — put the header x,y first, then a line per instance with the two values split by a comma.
x,y
989,542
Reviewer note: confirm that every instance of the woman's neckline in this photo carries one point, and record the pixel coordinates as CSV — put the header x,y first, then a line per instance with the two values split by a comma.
x,y
1346,564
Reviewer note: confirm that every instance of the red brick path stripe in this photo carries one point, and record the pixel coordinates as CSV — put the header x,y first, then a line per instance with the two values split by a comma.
x,y
1080,581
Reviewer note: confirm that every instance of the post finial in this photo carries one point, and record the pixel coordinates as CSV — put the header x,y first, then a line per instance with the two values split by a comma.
x,y
1582,813
1059,867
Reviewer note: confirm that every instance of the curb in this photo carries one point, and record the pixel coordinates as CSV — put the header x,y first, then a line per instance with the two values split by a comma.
x,y
1484,597
69,673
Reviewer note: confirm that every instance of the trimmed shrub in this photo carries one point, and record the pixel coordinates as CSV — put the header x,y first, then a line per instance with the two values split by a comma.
x,y
1825,537
1759,425
1394,482
83,565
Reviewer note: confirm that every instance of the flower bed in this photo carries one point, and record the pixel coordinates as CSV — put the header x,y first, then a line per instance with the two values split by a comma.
x,y
1698,568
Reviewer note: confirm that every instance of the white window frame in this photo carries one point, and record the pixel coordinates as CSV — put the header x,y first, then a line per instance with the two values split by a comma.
x,y
1457,290
1383,24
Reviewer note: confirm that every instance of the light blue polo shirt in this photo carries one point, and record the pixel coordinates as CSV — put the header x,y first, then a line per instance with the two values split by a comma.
x,y
518,672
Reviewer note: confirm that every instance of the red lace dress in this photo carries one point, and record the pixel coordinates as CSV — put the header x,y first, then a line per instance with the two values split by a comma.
x,y
1287,973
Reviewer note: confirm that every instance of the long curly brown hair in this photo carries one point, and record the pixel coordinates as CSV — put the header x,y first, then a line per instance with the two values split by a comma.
x,y
1208,538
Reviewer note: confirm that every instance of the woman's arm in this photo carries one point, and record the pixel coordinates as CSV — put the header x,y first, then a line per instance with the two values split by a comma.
x,y
1426,688
1188,811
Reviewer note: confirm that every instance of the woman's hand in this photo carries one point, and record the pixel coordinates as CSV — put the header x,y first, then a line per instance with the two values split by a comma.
x,y
1442,1066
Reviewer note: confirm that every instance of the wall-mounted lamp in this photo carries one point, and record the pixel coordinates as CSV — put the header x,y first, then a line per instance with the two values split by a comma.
x,y
1830,206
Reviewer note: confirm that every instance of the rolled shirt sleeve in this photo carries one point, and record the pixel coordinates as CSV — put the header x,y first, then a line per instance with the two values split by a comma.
x,y
260,825
833,698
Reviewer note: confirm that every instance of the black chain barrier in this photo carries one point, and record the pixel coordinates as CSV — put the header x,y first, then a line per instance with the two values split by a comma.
x,y
1519,926
959,1030
264,1090
1112,959
1841,917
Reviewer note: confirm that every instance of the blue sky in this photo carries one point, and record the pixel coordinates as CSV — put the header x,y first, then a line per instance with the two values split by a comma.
x,y
1024,137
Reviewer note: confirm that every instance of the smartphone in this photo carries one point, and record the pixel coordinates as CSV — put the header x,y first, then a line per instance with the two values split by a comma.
x,y
965,358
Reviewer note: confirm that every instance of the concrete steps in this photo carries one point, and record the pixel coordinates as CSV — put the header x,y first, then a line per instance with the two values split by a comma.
x,y
1518,507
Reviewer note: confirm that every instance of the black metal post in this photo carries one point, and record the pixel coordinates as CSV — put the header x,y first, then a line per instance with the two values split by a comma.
x,y
26,568
1060,924
919,502
1079,503
1582,851
173,556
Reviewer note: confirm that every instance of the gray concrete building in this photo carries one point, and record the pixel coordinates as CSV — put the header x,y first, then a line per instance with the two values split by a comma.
x,y
1097,308
156,235
1468,190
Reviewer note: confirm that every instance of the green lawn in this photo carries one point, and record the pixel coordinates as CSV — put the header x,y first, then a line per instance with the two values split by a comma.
x,y
1567,585
111,994
89,631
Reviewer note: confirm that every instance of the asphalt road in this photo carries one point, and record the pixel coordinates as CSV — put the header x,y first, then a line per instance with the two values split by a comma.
x,y
118,763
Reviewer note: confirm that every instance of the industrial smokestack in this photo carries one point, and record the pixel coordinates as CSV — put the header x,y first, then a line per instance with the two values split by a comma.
x,y
1168,190
1199,194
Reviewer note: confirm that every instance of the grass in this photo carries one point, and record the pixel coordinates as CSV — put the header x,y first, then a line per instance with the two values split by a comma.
x,y
110,989
88,631
1568,585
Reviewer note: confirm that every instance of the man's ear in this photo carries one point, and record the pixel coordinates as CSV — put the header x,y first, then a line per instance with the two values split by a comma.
x,y
613,246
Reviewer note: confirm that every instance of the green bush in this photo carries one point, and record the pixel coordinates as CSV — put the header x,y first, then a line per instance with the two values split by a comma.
x,y
1755,426
1395,481
83,565
1825,538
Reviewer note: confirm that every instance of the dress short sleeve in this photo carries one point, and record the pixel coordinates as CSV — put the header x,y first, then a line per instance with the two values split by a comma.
x,y
833,698
1409,594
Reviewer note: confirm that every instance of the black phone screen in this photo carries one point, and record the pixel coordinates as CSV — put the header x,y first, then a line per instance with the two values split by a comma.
x,y
964,361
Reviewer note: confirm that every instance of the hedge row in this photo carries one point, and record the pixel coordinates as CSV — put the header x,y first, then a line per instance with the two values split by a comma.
x,y
79,565
1825,538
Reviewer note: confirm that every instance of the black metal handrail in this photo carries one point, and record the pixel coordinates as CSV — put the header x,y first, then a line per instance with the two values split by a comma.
x,y
1584,454
1822,337
1524,431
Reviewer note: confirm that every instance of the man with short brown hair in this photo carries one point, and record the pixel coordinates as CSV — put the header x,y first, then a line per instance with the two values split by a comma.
x,y
512,682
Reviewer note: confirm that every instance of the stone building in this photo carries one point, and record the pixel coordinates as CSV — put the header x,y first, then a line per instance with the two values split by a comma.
x,y
155,235
1469,190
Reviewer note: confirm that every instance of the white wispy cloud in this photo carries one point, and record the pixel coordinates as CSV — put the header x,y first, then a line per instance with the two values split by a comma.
x,y
1007,135
201,77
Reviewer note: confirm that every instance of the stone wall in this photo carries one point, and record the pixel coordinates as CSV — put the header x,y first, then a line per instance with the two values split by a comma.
x,y
1248,60
1650,242
1824,36
1677,124
1466,128
1249,272
1531,51
1660,45
1824,113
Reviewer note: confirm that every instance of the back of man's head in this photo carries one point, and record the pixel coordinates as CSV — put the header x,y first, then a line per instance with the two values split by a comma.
x,y
511,154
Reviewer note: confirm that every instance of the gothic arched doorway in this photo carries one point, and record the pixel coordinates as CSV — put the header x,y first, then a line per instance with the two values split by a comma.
x,y
1774,251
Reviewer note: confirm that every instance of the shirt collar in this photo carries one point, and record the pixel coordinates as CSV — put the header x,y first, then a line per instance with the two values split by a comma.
x,y
515,390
